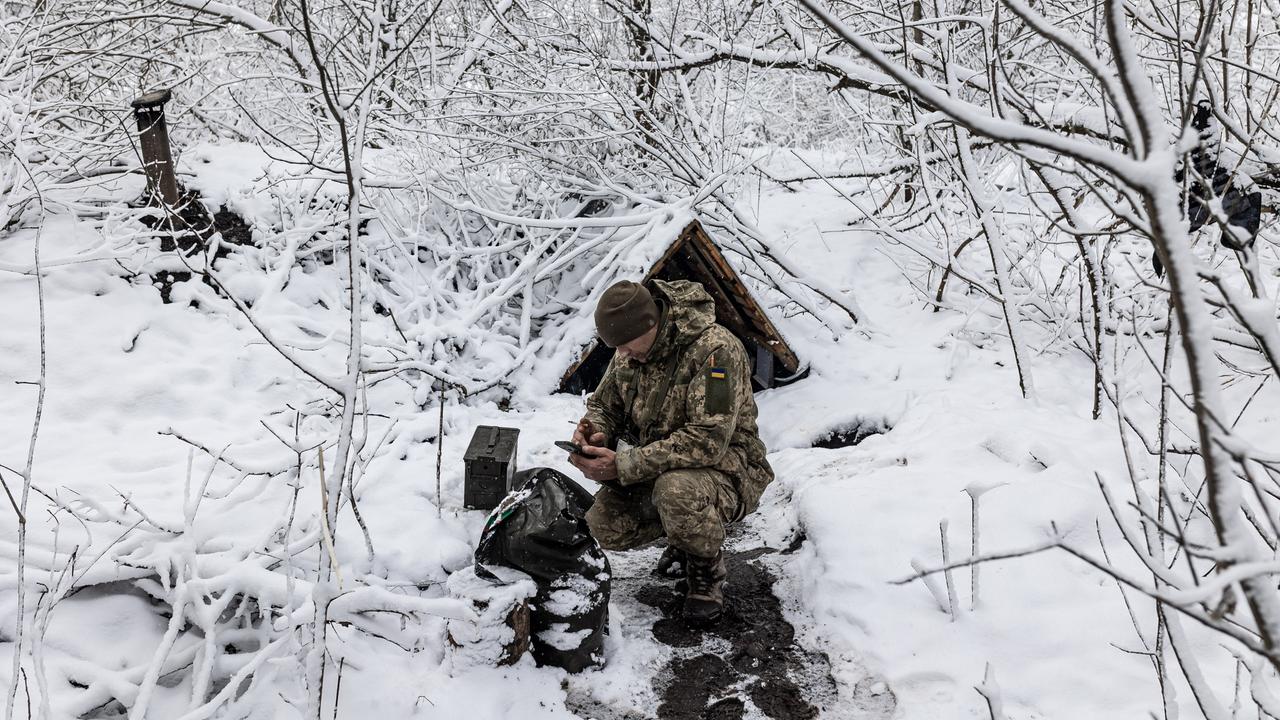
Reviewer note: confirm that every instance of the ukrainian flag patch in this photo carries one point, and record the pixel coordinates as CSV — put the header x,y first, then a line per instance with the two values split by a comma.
x,y
719,393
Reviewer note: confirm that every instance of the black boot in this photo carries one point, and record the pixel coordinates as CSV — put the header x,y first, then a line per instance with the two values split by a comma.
x,y
704,599
673,565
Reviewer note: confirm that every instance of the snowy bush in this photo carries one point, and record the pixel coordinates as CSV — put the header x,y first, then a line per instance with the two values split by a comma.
x,y
437,193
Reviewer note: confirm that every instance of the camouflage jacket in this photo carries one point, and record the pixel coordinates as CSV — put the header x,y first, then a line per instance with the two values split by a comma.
x,y
689,405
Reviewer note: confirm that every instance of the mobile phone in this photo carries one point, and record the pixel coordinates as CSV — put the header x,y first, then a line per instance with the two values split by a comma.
x,y
570,447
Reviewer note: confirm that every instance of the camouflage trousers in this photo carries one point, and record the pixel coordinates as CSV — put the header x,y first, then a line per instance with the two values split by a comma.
x,y
690,507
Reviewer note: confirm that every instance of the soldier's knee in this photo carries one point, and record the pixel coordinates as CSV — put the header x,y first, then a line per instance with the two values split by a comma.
x,y
677,490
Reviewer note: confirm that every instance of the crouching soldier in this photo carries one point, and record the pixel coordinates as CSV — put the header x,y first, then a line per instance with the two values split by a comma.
x,y
671,434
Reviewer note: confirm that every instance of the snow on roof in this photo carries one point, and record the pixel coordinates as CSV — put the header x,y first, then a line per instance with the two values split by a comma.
x,y
630,259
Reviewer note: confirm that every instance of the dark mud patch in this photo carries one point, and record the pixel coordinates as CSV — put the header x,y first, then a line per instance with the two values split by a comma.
x,y
187,229
233,228
704,681
750,653
851,434
750,666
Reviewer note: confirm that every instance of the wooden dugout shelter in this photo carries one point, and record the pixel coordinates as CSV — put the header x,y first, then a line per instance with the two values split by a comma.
x,y
694,256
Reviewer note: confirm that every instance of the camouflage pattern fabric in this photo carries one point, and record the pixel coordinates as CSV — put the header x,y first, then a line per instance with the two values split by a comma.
x,y
690,507
689,406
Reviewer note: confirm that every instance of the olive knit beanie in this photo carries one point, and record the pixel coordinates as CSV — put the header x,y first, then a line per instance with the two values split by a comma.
x,y
625,312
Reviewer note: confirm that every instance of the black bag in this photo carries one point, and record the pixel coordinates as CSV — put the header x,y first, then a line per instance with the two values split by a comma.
x,y
541,529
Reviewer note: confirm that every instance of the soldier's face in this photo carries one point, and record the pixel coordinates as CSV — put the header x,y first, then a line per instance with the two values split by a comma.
x,y
639,348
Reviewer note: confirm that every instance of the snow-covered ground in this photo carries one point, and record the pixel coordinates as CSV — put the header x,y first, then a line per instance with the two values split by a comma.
x,y
129,376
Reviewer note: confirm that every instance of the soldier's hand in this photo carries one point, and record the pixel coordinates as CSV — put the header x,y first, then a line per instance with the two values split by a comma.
x,y
597,463
586,434
582,432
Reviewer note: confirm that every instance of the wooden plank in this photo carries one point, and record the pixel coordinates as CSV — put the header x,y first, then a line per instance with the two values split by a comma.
x,y
745,301
727,308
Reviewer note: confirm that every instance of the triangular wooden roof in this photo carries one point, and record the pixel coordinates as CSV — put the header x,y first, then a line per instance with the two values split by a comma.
x,y
694,256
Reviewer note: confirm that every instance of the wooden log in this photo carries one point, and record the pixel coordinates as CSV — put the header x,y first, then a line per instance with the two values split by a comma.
x,y
498,633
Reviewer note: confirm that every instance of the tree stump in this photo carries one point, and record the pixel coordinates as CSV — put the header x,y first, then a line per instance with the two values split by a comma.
x,y
498,634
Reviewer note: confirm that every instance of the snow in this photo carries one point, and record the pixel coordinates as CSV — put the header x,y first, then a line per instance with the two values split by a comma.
x,y
571,596
559,636
130,376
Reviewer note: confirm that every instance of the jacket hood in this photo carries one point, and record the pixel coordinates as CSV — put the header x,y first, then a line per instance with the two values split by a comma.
x,y
687,311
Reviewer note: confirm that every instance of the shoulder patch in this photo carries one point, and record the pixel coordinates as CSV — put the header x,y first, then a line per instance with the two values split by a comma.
x,y
719,390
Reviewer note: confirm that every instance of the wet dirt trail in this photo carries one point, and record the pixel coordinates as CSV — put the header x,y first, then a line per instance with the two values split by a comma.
x,y
749,666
